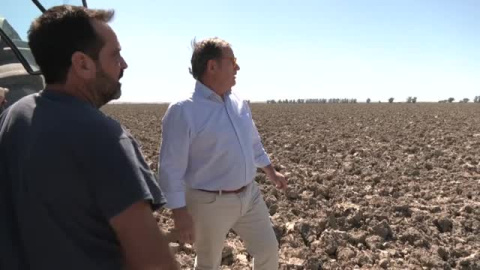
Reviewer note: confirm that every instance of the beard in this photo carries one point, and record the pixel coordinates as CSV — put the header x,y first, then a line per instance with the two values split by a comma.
x,y
104,88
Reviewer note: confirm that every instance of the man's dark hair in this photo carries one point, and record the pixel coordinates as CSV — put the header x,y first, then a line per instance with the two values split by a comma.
x,y
203,51
61,31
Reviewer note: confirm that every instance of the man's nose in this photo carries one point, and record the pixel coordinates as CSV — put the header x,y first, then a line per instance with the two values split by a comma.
x,y
123,64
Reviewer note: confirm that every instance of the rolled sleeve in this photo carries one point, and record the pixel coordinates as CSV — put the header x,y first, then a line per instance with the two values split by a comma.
x,y
261,157
175,200
262,161
173,157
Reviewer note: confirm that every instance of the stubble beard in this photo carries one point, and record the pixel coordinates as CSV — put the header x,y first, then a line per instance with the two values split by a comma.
x,y
104,89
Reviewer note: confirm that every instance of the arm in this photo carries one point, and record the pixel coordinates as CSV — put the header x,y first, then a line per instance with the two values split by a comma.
x,y
261,158
144,245
173,163
124,191
263,161
173,157
269,170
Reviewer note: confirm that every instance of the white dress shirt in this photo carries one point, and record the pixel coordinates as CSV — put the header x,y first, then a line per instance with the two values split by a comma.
x,y
208,143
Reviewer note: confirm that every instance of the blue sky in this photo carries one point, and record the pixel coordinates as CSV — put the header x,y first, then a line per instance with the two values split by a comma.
x,y
297,49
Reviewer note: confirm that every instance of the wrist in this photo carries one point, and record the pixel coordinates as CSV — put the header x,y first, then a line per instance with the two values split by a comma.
x,y
269,170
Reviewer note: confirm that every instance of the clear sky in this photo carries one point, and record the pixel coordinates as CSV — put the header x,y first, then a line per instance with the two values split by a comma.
x,y
297,49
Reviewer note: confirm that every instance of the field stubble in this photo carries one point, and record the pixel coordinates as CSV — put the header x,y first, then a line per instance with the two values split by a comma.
x,y
371,186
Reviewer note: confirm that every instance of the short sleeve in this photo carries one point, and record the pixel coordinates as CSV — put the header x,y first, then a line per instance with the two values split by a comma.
x,y
120,176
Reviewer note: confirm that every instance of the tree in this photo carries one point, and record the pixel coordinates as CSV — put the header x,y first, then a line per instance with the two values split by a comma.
x,y
414,100
409,100
451,99
466,100
390,100
368,100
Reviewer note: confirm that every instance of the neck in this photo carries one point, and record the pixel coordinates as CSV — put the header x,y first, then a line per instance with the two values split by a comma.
x,y
73,90
215,87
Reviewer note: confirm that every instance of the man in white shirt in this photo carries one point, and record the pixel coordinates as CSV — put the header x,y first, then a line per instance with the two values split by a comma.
x,y
209,154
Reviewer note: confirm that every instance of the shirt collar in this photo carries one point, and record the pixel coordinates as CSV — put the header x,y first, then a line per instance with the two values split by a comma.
x,y
208,93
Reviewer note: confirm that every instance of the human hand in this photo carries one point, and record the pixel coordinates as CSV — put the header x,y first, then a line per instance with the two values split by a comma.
x,y
3,92
184,225
279,180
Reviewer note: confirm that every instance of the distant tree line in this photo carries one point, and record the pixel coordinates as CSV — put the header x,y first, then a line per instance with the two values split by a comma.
x,y
354,100
312,100
449,100
476,99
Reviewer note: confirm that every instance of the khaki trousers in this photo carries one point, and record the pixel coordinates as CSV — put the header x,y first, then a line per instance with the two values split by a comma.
x,y
246,213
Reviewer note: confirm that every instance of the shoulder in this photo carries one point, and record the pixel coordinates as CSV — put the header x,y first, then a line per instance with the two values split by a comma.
x,y
181,103
91,124
181,106
104,126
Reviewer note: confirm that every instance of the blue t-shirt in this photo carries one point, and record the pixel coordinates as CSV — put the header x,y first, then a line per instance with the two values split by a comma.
x,y
65,170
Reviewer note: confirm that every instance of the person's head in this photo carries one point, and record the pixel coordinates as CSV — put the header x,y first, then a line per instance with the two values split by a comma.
x,y
76,48
214,64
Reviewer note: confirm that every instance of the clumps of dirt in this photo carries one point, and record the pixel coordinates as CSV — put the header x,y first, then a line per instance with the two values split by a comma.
x,y
371,186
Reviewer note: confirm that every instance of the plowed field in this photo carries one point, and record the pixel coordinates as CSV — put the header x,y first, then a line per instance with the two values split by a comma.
x,y
371,186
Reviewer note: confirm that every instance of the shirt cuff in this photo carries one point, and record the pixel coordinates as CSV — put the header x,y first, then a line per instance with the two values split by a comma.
x,y
175,200
262,161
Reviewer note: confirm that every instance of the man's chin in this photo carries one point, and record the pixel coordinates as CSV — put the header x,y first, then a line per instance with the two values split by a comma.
x,y
117,95
118,92
114,96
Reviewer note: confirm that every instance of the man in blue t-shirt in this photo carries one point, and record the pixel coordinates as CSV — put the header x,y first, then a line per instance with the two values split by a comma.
x,y
75,190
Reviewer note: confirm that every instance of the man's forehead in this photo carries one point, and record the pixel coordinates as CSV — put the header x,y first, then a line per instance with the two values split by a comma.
x,y
227,51
105,32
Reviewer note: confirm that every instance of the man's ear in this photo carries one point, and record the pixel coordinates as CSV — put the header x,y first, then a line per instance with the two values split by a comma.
x,y
83,66
212,66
